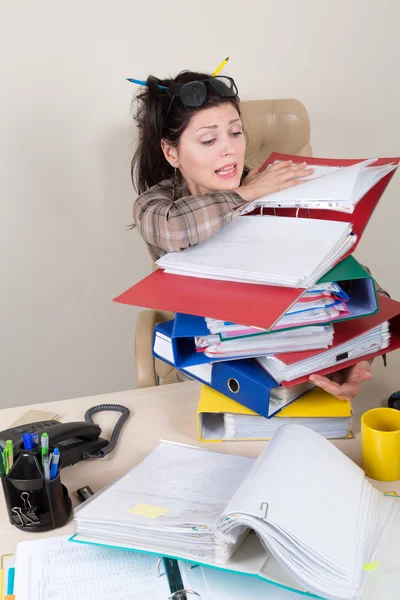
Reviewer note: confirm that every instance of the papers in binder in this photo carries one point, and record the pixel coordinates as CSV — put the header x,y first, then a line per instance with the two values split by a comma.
x,y
222,419
315,306
180,478
332,188
288,340
269,250
58,569
374,340
320,536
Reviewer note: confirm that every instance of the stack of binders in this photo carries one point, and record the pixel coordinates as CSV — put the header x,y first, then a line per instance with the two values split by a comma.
x,y
276,296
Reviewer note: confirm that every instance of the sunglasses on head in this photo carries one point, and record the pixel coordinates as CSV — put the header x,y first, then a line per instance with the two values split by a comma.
x,y
195,93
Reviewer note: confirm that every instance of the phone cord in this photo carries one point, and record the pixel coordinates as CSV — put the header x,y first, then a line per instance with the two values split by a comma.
x,y
117,429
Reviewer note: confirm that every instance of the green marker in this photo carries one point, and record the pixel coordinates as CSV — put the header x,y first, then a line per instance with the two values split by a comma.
x,y
2,469
44,444
9,456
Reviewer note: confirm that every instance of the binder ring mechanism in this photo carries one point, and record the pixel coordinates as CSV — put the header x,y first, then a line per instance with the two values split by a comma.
x,y
158,565
181,595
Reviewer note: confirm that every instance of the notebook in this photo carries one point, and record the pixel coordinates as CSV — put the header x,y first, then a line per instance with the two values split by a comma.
x,y
330,187
57,569
266,250
319,520
220,418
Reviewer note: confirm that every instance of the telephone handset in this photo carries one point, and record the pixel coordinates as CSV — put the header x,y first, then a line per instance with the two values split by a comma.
x,y
76,441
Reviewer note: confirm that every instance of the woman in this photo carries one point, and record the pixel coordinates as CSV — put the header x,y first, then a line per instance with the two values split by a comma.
x,y
190,174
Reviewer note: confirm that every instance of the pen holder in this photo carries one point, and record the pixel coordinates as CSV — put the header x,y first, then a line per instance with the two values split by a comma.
x,y
33,502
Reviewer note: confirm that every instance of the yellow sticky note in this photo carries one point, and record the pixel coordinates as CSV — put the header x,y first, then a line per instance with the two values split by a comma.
x,y
148,510
371,566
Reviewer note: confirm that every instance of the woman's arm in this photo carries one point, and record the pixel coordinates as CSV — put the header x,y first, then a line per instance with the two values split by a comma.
x,y
173,225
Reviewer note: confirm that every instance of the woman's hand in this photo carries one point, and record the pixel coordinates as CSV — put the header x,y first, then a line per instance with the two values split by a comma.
x,y
276,177
345,384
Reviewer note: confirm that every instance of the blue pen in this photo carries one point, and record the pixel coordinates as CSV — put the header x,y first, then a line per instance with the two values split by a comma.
x,y
35,437
27,441
140,82
54,463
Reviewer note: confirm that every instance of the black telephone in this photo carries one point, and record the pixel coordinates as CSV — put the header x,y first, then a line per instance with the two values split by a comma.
x,y
76,441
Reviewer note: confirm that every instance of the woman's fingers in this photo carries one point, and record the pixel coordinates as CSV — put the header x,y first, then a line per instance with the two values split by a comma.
x,y
285,173
284,164
295,174
344,391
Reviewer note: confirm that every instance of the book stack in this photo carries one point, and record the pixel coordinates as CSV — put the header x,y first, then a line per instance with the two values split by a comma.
x,y
276,296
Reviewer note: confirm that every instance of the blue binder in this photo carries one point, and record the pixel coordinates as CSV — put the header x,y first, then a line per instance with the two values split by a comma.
x,y
184,329
242,380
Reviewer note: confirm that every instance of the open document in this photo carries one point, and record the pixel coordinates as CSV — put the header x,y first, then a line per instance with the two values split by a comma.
x,y
329,187
270,250
318,518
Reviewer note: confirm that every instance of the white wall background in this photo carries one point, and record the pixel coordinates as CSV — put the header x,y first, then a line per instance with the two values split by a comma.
x,y
66,141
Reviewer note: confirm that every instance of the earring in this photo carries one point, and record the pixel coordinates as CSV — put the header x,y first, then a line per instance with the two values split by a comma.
x,y
176,183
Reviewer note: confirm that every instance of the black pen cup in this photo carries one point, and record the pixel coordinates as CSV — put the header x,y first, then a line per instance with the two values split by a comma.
x,y
33,502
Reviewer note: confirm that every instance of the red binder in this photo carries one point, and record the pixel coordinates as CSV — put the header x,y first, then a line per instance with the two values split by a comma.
x,y
230,301
364,209
389,310
225,300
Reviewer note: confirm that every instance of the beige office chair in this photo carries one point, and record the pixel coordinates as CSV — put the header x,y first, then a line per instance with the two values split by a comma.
x,y
271,126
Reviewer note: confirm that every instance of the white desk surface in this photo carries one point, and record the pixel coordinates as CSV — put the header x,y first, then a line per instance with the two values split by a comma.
x,y
165,412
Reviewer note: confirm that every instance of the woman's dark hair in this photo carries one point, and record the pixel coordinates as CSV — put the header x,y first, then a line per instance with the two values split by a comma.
x,y
149,165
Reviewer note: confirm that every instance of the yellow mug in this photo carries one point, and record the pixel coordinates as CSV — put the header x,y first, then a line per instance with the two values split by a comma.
x,y
380,443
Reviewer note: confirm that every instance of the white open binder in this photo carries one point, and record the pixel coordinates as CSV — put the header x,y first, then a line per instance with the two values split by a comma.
x,y
319,521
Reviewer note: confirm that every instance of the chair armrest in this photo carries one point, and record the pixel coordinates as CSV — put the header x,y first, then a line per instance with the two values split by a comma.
x,y
144,360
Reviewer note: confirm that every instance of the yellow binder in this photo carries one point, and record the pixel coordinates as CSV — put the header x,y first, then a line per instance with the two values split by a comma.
x,y
314,404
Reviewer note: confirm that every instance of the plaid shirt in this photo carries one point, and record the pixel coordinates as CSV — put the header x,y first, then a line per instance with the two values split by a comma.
x,y
169,219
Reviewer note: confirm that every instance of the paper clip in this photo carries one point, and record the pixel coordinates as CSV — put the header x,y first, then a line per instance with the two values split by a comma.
x,y
24,519
17,511
25,499
158,573
266,509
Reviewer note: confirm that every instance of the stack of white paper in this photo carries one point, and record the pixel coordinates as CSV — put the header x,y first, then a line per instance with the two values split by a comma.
x,y
247,427
170,502
367,343
280,396
288,340
331,188
269,250
313,509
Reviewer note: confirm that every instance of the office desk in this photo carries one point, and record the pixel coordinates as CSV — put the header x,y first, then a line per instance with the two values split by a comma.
x,y
165,412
